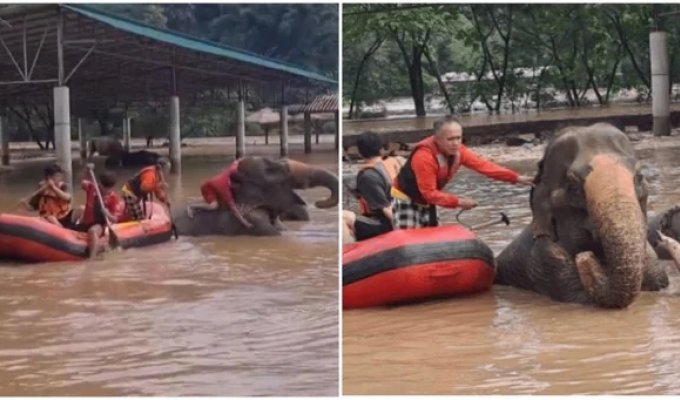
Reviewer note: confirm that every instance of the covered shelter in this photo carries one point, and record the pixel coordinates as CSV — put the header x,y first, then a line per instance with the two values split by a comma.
x,y
81,52
327,103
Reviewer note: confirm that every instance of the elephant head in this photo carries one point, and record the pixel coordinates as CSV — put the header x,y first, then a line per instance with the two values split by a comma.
x,y
587,240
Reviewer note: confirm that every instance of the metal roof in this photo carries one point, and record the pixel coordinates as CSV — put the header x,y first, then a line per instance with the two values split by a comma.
x,y
112,59
192,43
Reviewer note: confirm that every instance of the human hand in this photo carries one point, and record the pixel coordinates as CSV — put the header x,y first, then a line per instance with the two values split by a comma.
x,y
664,240
466,203
525,180
89,166
190,212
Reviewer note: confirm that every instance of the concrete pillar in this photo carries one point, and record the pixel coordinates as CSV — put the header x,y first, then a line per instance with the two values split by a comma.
x,y
337,130
175,137
658,46
4,138
241,129
62,132
126,137
284,131
82,140
127,134
308,132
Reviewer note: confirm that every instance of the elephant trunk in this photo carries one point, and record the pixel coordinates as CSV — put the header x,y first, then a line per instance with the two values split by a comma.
x,y
305,175
619,224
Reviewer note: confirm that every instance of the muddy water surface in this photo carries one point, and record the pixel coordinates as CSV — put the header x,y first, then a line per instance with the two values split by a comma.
x,y
509,341
209,316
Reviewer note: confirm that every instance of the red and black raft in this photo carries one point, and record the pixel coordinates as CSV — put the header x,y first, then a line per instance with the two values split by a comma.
x,y
415,264
32,239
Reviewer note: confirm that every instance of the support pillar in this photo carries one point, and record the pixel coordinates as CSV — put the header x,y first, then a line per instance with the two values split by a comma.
x,y
266,135
658,46
241,129
126,134
284,131
4,138
62,132
337,129
308,132
175,137
82,140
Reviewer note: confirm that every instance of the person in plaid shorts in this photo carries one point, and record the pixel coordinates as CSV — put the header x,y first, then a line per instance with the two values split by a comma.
x,y
137,191
433,163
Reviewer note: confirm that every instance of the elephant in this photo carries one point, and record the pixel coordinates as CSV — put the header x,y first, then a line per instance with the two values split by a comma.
x,y
586,242
264,193
105,146
668,222
132,159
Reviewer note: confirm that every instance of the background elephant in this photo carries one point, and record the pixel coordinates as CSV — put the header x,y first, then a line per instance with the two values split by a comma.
x,y
132,159
105,146
264,192
586,242
668,222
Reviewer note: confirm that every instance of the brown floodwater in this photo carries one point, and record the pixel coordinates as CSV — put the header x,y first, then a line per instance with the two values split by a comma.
x,y
509,341
355,127
197,316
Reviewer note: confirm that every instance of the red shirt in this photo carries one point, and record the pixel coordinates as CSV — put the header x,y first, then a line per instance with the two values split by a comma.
x,y
111,202
218,188
425,168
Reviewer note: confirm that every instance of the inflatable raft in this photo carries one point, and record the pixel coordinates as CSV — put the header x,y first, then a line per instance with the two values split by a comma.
x,y
415,264
33,239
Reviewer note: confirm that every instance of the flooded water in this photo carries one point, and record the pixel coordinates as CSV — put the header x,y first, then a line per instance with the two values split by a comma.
x,y
208,316
510,341
355,127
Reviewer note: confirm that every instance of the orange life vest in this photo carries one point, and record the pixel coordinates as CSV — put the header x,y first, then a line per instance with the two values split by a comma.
x,y
49,204
448,166
388,169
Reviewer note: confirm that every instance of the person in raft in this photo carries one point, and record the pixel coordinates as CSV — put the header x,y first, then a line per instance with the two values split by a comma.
x,y
217,194
94,218
373,187
433,163
52,200
138,190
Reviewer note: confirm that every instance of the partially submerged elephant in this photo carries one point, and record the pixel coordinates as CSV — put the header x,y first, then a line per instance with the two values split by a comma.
x,y
105,146
264,191
140,158
668,222
587,239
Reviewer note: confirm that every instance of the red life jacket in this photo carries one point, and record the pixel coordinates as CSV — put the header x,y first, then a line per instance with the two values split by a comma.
x,y
448,166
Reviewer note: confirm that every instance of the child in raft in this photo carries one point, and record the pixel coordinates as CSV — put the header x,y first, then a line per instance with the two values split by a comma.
x,y
93,220
52,200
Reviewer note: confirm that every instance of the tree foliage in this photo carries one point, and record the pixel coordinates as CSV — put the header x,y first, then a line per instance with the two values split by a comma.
x,y
504,55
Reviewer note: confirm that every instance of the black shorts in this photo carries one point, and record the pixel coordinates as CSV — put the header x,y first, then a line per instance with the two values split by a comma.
x,y
67,221
366,228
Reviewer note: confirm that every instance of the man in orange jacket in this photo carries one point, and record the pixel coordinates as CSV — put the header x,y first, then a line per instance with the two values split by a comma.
x,y
433,163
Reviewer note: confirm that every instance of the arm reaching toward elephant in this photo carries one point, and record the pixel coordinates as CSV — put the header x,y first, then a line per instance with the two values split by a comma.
x,y
672,246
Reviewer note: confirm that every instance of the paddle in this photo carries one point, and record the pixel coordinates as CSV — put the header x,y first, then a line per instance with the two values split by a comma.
x,y
113,238
167,204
